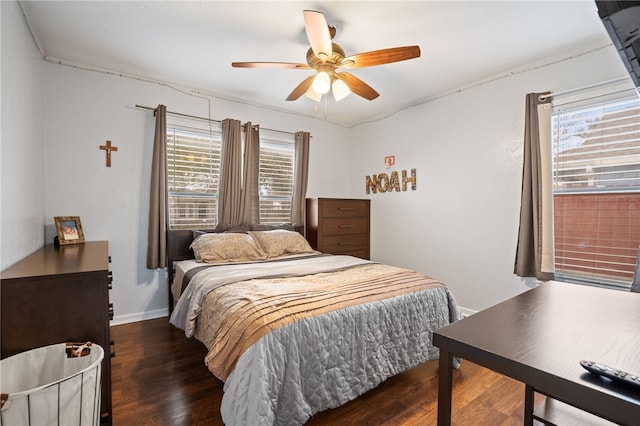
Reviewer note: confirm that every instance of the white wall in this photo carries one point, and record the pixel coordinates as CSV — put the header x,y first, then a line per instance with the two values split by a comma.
x,y
21,142
84,109
461,224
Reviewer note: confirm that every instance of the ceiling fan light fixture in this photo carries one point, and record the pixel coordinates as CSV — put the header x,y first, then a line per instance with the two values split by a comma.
x,y
313,95
321,83
340,89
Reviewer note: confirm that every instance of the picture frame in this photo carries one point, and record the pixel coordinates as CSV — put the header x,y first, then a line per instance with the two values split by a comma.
x,y
69,230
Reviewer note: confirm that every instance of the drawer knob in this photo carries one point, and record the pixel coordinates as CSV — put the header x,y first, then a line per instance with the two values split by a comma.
x,y
345,226
345,243
345,209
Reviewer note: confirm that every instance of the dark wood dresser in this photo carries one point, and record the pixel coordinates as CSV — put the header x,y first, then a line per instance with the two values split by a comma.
x,y
339,226
55,295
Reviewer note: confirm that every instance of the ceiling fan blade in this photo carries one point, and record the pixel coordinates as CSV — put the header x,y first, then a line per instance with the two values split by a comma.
x,y
301,89
358,86
318,33
382,56
286,65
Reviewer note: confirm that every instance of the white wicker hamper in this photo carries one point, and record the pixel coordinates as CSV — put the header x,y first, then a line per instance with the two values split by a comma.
x,y
44,386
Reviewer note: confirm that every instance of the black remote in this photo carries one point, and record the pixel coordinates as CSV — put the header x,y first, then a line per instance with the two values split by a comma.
x,y
612,373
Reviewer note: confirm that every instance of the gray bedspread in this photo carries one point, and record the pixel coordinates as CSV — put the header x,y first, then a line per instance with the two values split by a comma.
x,y
324,361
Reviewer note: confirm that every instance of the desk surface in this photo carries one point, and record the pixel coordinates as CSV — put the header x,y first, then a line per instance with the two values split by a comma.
x,y
540,336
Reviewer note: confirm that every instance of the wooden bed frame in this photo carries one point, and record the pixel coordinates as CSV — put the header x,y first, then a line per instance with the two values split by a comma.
x,y
178,242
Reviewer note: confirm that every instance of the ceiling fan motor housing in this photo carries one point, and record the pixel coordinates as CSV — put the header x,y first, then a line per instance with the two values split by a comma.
x,y
337,55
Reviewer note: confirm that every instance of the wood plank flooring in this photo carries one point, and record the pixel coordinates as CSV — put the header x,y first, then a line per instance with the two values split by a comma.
x,y
159,378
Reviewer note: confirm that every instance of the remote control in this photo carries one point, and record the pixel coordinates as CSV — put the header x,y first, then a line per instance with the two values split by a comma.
x,y
618,376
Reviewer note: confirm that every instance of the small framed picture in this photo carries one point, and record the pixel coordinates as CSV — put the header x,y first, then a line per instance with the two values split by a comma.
x,y
69,230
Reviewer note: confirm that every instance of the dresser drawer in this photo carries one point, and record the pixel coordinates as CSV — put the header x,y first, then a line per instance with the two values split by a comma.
x,y
342,243
344,208
344,225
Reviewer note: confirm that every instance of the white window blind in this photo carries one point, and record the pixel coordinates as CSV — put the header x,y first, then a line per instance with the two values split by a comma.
x,y
277,156
193,170
596,166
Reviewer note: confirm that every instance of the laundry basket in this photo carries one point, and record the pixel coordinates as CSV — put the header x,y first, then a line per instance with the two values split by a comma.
x,y
52,385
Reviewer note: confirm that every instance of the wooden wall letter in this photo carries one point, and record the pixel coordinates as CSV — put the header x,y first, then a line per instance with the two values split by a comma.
x,y
412,179
384,183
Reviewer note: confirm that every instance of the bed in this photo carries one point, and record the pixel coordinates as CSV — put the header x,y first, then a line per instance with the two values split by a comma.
x,y
292,331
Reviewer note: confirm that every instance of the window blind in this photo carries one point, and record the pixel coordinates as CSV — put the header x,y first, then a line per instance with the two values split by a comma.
x,y
277,156
596,175
193,170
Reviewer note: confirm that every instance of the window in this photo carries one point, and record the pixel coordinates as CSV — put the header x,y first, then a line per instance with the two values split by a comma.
x,y
275,181
596,187
193,170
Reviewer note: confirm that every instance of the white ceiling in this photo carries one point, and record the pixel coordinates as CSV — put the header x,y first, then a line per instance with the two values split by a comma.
x,y
192,44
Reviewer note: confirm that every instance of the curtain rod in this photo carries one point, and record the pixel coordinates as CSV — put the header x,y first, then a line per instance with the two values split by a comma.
x,y
579,89
205,118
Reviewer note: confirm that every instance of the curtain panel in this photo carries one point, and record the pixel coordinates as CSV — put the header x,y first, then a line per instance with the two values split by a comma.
x,y
300,178
230,189
238,199
534,251
250,201
157,235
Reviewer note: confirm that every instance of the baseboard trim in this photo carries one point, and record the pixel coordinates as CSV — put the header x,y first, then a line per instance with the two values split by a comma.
x,y
139,316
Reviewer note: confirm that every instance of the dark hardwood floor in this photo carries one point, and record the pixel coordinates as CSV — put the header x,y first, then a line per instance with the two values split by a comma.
x,y
159,378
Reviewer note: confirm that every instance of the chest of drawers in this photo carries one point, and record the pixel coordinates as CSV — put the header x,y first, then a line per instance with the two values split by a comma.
x,y
55,295
339,226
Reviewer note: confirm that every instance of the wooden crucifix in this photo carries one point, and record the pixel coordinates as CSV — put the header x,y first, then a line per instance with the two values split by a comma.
x,y
108,148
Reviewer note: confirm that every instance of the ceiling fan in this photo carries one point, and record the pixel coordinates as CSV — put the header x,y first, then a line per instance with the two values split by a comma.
x,y
326,57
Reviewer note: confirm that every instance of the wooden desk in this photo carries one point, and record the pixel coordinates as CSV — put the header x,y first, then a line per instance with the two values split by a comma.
x,y
539,338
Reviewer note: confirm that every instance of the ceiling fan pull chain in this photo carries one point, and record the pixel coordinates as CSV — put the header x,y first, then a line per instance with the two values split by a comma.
x,y
325,107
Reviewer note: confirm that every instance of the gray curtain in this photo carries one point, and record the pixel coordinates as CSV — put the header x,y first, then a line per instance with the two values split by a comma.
x,y
230,189
534,252
157,236
300,177
250,202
